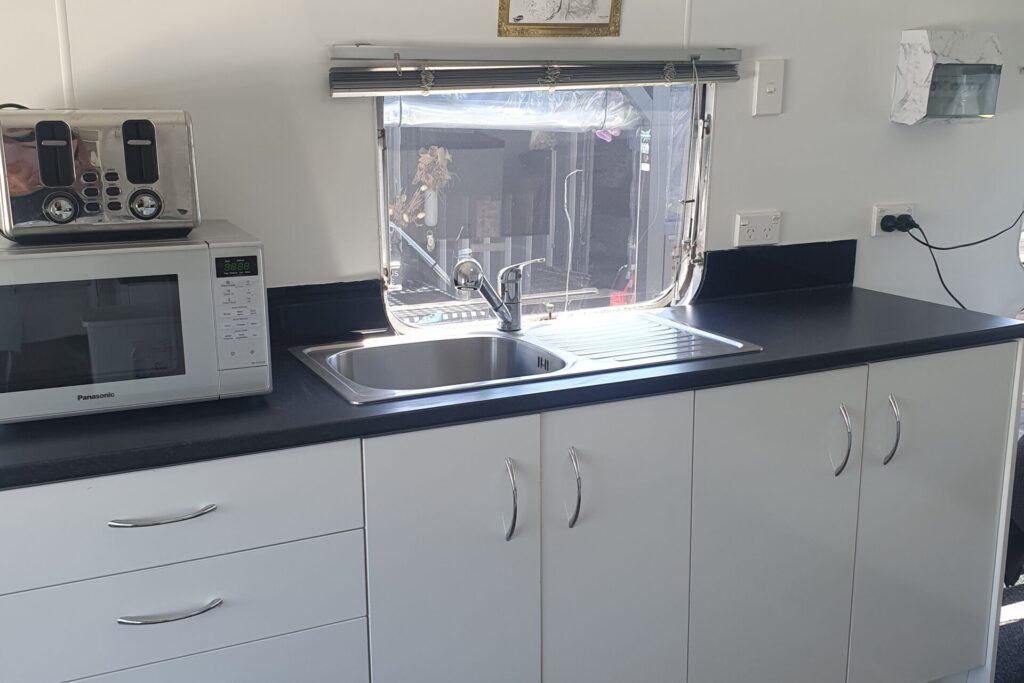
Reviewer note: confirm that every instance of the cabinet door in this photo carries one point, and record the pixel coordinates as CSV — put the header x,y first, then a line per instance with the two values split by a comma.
x,y
450,599
929,519
774,528
615,584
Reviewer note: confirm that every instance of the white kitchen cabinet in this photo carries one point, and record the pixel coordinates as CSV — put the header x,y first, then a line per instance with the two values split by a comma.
x,y
735,534
929,519
774,527
614,596
328,654
450,599
77,629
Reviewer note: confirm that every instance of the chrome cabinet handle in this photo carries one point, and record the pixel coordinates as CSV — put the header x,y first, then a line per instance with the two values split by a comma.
x,y
159,521
849,438
515,499
170,616
579,487
899,427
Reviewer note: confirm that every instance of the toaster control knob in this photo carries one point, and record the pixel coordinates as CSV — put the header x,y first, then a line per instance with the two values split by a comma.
x,y
145,205
60,207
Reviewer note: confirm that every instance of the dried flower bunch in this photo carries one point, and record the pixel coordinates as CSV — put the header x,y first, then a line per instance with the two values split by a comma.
x,y
404,210
432,170
432,174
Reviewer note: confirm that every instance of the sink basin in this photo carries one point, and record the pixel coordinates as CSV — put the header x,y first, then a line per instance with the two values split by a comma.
x,y
394,368
400,367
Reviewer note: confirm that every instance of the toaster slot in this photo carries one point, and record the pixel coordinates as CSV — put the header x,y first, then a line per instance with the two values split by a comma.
x,y
56,154
139,136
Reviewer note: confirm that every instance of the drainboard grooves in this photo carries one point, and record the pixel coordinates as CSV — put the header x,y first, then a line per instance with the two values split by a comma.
x,y
615,343
633,340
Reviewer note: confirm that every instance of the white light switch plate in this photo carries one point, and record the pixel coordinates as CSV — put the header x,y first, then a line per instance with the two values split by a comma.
x,y
757,228
770,75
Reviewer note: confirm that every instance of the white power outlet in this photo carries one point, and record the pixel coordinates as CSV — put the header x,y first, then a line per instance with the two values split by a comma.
x,y
758,228
880,211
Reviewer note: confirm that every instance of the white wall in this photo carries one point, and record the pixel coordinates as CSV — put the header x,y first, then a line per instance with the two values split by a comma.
x,y
278,157
30,71
833,153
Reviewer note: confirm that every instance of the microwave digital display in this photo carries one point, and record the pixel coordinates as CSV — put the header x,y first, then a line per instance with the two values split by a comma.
x,y
235,266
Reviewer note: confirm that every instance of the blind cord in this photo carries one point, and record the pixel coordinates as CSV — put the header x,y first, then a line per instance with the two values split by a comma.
x,y
568,217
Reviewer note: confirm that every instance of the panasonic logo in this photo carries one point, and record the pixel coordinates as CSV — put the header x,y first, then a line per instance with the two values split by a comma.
x,y
93,397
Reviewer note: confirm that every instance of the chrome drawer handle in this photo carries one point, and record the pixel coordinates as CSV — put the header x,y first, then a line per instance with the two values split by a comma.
x,y
849,438
159,521
579,487
171,616
899,428
515,499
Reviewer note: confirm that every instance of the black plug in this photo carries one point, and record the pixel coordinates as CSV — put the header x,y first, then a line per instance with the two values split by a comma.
x,y
906,223
888,223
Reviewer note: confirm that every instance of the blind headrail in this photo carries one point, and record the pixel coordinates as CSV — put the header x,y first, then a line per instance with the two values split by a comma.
x,y
363,70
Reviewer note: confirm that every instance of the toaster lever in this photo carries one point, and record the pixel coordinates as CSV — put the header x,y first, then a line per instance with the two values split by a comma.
x,y
140,163
56,158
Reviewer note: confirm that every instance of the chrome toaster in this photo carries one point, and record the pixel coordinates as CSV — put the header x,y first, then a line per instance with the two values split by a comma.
x,y
79,174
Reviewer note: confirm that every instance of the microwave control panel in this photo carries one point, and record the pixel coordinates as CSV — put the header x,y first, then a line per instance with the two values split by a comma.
x,y
240,307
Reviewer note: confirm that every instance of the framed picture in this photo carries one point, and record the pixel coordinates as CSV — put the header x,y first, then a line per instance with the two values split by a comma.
x,y
585,18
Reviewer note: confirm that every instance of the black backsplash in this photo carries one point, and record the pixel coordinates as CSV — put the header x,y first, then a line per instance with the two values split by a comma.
x,y
343,311
317,314
757,270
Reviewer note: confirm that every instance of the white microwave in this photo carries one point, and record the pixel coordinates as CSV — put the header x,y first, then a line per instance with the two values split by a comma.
x,y
112,326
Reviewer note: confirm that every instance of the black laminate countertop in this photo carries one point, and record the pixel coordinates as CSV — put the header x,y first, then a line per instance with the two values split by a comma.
x,y
800,330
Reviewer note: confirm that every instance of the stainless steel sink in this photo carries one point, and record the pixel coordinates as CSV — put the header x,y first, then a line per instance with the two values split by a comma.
x,y
379,370
399,367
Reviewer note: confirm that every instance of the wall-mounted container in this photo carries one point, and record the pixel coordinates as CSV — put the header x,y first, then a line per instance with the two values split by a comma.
x,y
946,75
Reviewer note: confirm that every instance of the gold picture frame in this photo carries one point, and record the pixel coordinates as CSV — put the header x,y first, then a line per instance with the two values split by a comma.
x,y
509,27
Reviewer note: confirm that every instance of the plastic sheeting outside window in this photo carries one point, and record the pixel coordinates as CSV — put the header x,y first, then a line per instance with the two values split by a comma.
x,y
562,110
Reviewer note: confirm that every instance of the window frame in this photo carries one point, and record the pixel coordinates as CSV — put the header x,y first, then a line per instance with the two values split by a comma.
x,y
688,258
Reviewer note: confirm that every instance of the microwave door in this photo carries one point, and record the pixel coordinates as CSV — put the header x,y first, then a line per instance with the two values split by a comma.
x,y
133,339
133,329
91,332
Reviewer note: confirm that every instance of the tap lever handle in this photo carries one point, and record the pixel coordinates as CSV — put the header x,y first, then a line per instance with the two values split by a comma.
x,y
515,271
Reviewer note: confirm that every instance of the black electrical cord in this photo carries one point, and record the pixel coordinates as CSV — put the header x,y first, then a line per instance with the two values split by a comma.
x,y
12,105
931,252
970,244
907,224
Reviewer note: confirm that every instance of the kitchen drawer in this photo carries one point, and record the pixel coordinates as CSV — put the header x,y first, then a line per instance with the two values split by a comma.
x,y
72,631
330,654
58,533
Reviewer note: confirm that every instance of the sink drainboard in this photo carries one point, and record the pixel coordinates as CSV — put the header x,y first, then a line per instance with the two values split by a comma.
x,y
640,340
